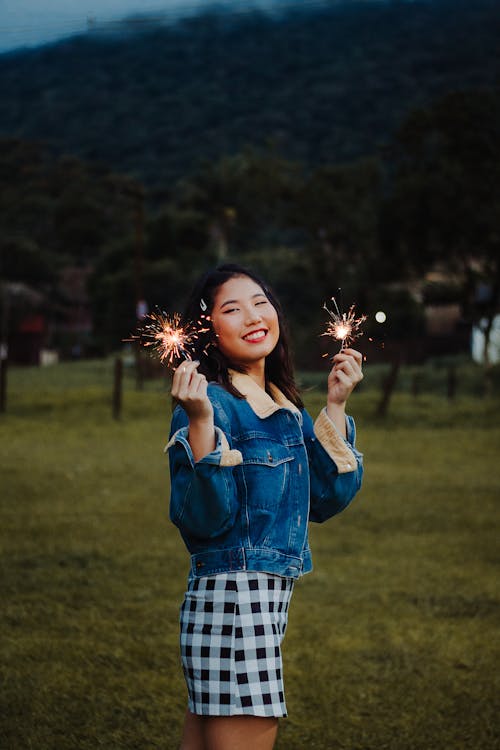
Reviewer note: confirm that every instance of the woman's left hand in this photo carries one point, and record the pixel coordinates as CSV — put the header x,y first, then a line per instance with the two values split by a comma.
x,y
345,374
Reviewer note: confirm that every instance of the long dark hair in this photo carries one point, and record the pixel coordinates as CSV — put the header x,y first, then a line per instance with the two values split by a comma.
x,y
213,363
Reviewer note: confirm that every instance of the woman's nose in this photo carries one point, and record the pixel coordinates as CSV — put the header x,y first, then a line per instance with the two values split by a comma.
x,y
253,315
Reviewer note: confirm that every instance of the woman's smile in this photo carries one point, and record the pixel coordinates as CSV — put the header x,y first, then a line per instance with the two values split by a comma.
x,y
255,337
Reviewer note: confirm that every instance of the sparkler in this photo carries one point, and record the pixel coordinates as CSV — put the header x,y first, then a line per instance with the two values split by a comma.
x,y
168,339
343,327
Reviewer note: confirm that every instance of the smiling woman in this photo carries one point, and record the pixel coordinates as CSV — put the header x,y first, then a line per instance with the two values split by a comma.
x,y
248,471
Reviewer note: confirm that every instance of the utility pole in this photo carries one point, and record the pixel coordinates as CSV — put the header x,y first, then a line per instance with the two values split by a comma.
x,y
134,192
117,387
138,274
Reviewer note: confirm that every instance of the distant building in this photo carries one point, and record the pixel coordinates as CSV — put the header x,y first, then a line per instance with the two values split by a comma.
x,y
24,322
441,320
34,322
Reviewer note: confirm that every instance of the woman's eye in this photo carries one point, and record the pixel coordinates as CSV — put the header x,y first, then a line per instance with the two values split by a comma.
x,y
229,310
262,302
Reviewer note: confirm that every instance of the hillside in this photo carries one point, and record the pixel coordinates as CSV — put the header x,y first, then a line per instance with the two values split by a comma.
x,y
328,85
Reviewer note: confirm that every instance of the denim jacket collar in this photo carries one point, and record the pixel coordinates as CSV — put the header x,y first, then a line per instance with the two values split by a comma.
x,y
260,402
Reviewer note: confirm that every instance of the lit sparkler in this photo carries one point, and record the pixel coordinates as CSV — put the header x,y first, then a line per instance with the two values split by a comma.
x,y
343,327
168,339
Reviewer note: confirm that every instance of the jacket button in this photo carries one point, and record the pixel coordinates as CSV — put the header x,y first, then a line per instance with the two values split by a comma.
x,y
270,457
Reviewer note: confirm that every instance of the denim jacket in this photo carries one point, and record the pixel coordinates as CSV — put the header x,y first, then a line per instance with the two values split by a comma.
x,y
246,505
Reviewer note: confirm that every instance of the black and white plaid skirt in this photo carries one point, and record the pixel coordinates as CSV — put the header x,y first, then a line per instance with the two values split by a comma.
x,y
232,626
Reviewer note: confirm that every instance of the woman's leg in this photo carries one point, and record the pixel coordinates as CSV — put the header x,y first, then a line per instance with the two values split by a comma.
x,y
240,732
192,736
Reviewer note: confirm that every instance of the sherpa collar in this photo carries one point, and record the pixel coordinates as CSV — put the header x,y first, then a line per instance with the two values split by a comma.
x,y
261,402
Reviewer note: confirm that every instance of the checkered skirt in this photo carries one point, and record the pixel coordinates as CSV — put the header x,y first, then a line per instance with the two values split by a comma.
x,y
232,626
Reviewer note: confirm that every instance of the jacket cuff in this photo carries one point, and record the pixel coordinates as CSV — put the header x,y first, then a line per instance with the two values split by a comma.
x,y
222,454
334,444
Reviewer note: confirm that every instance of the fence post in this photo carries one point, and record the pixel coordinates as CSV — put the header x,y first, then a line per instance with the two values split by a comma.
x,y
117,388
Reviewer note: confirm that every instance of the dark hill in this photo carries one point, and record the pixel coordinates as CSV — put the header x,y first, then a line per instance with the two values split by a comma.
x,y
325,86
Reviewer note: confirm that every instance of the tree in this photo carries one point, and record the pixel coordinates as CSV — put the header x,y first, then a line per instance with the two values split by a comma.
x,y
338,207
444,201
244,198
57,213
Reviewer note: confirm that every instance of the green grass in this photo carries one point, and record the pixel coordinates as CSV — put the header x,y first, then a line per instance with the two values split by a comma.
x,y
392,640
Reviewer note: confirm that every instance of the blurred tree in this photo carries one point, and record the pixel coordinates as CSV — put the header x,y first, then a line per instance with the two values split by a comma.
x,y
243,197
338,206
444,201
177,251
21,260
56,213
68,208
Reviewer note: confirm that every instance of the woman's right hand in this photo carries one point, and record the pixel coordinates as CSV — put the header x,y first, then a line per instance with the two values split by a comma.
x,y
189,388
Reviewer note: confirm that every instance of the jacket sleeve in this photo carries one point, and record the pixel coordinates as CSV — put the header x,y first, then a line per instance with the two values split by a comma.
x,y
335,466
203,497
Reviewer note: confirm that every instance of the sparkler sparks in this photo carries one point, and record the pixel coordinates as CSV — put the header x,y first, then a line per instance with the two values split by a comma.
x,y
168,339
343,327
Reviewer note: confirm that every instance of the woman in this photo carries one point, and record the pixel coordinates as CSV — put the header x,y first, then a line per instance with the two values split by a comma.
x,y
248,471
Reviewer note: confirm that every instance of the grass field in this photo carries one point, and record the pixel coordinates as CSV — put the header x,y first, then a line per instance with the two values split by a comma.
x,y
392,640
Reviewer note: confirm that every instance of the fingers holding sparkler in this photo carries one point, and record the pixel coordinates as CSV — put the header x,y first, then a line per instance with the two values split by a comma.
x,y
189,388
350,361
345,374
175,344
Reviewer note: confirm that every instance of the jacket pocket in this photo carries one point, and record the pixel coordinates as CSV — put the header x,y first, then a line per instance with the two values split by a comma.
x,y
266,472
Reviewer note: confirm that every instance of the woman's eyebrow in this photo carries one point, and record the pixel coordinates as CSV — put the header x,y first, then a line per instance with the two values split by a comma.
x,y
235,301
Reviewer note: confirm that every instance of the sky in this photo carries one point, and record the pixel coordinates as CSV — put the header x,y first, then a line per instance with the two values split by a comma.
x,y
25,23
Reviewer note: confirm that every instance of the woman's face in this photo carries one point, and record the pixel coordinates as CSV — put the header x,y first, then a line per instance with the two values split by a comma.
x,y
244,321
